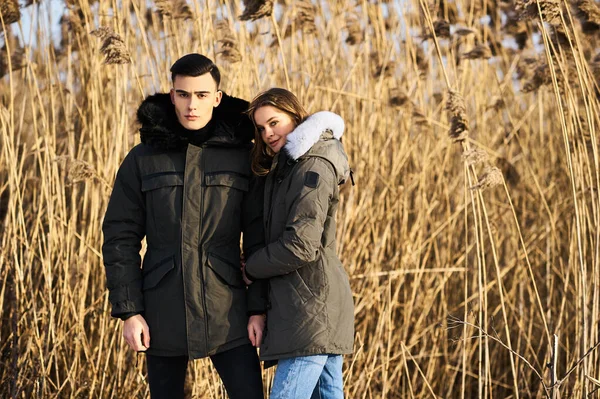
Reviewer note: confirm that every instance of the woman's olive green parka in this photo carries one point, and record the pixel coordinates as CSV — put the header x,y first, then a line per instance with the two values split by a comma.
x,y
310,307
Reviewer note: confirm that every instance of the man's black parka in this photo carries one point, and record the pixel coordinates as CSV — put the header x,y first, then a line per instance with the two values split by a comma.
x,y
190,196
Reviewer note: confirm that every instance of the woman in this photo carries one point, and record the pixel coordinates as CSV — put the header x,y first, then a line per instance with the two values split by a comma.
x,y
311,317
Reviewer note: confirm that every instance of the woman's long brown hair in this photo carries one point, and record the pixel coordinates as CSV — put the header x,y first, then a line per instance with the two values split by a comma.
x,y
283,100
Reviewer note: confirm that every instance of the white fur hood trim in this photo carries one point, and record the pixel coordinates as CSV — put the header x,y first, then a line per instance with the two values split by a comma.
x,y
309,132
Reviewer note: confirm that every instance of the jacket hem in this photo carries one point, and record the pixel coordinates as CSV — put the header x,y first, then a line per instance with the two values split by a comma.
x,y
199,355
319,351
222,348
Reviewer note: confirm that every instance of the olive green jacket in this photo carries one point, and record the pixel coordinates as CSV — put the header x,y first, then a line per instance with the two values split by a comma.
x,y
310,303
191,203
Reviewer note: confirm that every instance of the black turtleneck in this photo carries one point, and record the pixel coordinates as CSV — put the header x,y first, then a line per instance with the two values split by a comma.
x,y
196,137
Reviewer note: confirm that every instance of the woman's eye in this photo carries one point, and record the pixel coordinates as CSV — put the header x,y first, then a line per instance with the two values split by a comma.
x,y
273,123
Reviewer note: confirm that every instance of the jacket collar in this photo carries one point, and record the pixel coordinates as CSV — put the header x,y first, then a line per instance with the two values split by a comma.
x,y
160,127
309,132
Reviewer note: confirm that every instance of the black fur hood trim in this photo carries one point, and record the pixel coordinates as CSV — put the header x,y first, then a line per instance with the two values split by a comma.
x,y
160,127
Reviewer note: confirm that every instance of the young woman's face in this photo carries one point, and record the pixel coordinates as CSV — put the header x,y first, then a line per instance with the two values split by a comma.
x,y
274,126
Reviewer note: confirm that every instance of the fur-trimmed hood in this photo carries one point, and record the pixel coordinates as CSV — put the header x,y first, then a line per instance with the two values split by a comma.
x,y
160,127
319,136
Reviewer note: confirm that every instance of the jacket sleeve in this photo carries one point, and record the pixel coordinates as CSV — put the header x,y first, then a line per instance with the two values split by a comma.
x,y
300,243
124,228
253,240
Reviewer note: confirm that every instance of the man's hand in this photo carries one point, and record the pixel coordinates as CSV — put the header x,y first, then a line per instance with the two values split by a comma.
x,y
136,333
256,326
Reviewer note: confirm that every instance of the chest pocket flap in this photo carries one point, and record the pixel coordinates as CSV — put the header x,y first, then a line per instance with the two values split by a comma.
x,y
227,179
158,180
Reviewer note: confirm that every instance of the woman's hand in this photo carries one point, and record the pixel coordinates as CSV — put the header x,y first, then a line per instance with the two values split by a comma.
x,y
246,280
256,327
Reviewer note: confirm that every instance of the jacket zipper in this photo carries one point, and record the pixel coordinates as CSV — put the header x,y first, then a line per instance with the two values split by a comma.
x,y
276,181
203,193
181,249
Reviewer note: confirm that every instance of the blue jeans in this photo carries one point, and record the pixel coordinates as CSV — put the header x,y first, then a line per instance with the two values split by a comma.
x,y
309,377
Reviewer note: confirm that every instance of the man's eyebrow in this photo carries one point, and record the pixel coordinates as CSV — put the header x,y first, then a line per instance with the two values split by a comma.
x,y
196,92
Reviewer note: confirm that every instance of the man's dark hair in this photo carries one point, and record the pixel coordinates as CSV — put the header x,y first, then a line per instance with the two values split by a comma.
x,y
195,65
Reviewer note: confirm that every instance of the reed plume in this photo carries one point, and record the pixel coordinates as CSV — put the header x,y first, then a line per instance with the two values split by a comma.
x,y
387,69
422,61
391,21
305,16
494,42
587,11
496,103
459,123
539,77
113,47
9,11
418,117
459,128
441,28
550,10
481,51
491,177
508,171
541,74
176,9
398,97
355,32
228,44
455,104
71,25
17,56
446,10
462,32
517,28
559,38
75,170
526,66
256,9
475,156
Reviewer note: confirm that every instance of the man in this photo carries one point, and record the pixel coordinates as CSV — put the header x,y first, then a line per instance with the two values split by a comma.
x,y
188,189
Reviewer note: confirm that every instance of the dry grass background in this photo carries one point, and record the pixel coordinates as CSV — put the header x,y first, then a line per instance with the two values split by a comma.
x,y
472,236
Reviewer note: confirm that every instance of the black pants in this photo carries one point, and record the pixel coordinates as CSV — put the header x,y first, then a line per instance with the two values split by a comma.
x,y
239,369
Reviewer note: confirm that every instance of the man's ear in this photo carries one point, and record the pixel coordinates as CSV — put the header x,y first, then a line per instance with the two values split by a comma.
x,y
172,94
218,98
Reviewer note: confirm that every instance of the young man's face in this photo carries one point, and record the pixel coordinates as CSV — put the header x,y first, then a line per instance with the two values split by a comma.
x,y
194,98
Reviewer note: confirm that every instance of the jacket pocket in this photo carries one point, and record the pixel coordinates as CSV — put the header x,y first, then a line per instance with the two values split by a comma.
x,y
290,291
225,271
227,179
301,288
155,274
163,192
163,179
